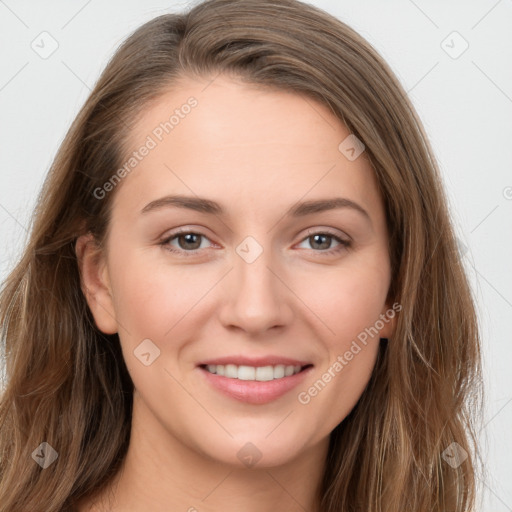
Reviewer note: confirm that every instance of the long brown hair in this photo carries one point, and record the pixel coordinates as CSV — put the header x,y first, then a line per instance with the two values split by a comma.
x,y
66,382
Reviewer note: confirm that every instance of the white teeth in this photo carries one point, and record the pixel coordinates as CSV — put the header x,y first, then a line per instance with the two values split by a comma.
x,y
231,371
259,373
279,371
264,373
246,373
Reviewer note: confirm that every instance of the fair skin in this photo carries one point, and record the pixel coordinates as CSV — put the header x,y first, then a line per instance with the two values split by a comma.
x,y
257,153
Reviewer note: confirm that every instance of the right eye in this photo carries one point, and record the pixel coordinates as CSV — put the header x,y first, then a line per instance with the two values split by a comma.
x,y
189,242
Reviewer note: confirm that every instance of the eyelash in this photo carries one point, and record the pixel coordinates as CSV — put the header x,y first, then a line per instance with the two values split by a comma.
x,y
343,244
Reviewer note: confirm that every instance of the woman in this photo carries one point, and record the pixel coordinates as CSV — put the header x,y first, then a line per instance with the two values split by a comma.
x,y
315,348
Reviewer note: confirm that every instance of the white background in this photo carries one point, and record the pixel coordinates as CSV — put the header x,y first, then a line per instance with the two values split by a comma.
x,y
465,104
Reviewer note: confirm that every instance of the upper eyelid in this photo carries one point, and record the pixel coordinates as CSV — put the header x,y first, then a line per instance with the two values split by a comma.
x,y
328,231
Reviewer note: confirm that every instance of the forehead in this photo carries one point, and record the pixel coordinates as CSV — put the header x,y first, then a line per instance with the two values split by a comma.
x,y
233,141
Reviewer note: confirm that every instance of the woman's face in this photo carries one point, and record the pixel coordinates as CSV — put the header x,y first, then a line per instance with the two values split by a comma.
x,y
261,275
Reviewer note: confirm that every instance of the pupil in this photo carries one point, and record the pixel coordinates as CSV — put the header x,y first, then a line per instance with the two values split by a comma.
x,y
324,244
189,239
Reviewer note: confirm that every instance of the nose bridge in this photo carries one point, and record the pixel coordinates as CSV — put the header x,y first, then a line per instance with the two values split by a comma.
x,y
255,298
252,263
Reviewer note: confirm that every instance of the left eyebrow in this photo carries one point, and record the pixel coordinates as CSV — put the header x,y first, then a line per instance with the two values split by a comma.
x,y
322,205
302,209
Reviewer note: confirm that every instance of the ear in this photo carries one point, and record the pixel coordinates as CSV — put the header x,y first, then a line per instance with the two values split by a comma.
x,y
389,318
95,283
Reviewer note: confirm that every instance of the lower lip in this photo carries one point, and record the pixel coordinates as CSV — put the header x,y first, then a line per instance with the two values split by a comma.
x,y
252,391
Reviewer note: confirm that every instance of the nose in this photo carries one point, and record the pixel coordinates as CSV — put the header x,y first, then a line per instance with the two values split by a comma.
x,y
256,298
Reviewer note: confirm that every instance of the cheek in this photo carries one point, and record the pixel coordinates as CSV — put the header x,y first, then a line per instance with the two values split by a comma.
x,y
152,296
348,303
347,300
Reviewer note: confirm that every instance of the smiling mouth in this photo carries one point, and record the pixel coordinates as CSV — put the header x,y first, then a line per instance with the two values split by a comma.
x,y
254,373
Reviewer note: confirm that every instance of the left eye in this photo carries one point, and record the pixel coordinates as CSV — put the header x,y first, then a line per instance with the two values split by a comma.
x,y
323,242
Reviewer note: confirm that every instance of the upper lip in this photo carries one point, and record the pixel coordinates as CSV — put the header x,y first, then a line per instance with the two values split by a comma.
x,y
255,361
